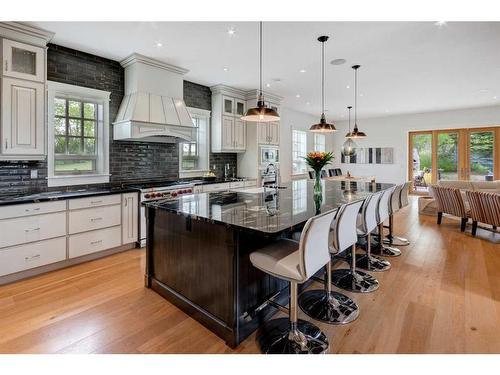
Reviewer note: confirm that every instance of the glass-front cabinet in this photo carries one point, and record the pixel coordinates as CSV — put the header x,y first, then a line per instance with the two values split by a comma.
x,y
24,61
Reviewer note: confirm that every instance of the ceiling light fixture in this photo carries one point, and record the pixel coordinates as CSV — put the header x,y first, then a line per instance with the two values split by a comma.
x,y
355,132
225,69
323,126
348,87
231,31
261,113
297,96
159,44
268,85
338,61
349,147
302,70
440,23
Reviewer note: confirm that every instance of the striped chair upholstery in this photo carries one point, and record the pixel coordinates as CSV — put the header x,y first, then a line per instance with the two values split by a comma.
x,y
485,208
450,201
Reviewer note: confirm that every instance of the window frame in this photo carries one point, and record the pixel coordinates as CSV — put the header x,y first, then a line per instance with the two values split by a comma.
x,y
304,133
316,143
202,135
101,165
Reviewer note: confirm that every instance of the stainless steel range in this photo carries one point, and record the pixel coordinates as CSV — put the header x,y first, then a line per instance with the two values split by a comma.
x,y
155,191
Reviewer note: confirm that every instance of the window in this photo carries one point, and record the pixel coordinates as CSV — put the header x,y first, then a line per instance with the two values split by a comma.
x,y
319,142
299,147
78,135
75,136
193,156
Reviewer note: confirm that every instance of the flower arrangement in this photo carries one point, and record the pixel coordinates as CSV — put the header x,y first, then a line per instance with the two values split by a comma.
x,y
317,160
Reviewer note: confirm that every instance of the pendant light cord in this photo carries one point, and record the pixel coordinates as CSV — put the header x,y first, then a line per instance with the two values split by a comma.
x,y
323,78
356,97
260,52
349,108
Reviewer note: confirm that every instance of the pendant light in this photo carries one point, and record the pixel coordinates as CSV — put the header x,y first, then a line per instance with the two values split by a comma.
x,y
349,147
261,113
323,126
355,132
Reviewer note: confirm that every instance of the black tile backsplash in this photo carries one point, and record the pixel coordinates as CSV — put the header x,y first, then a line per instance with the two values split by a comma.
x,y
128,160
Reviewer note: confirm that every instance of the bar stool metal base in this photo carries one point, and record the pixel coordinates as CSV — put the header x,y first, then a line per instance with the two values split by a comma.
x,y
396,241
336,309
386,251
370,263
354,281
278,337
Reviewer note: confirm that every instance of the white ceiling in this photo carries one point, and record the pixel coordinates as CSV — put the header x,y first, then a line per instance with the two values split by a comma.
x,y
406,67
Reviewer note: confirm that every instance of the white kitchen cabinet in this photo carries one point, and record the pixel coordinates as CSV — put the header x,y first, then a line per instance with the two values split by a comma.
x,y
94,241
23,125
239,134
23,61
94,218
227,129
269,133
130,215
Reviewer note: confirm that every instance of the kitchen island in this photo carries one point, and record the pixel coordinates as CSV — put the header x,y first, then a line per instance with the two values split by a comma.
x,y
199,244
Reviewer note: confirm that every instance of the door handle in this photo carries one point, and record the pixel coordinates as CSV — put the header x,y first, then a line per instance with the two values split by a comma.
x,y
33,257
95,242
96,219
31,230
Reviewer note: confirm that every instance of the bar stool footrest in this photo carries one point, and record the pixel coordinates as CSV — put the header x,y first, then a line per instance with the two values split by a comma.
x,y
338,309
359,282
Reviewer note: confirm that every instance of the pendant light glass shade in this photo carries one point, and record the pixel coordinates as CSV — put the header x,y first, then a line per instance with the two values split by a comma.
x,y
261,113
323,126
356,133
348,149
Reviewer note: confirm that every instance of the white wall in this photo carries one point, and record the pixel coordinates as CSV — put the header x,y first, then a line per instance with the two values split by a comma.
x,y
393,132
291,119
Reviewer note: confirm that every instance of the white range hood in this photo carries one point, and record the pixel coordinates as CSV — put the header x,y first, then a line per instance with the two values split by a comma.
x,y
152,109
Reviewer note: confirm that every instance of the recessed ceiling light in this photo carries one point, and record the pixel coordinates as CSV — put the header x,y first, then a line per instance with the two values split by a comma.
x,y
268,85
302,70
225,69
308,103
361,95
297,96
338,61
231,31
440,23
159,44
495,97
348,87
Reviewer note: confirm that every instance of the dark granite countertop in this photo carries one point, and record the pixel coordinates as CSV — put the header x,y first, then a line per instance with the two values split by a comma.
x,y
271,212
45,196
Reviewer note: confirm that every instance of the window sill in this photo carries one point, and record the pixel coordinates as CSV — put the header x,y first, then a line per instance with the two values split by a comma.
x,y
84,179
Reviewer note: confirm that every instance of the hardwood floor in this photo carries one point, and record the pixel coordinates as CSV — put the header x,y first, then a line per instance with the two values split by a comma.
x,y
441,296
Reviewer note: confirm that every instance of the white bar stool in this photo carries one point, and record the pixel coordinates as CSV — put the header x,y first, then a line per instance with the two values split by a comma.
x,y
367,223
326,305
383,215
345,236
296,264
399,196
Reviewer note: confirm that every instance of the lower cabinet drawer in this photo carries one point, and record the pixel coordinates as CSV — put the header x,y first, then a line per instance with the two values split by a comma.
x,y
94,218
97,240
36,254
250,183
32,228
237,184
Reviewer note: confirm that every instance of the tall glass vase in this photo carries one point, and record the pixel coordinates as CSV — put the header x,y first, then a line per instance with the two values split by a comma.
x,y
318,191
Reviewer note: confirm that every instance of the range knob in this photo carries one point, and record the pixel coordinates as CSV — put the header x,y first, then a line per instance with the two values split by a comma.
x,y
173,194
147,195
189,190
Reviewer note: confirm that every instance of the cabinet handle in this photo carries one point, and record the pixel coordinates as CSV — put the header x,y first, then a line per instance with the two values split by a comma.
x,y
31,230
95,242
95,202
32,209
33,257
6,144
96,219
6,65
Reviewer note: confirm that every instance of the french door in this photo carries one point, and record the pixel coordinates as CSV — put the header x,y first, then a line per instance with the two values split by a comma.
x,y
453,154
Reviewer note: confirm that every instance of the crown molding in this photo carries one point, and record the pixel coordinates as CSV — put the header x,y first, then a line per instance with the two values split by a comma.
x,y
25,33
138,58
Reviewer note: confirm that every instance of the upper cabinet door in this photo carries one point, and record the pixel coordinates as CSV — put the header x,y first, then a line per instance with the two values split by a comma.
x,y
262,132
227,132
22,117
23,61
239,107
228,105
240,131
274,133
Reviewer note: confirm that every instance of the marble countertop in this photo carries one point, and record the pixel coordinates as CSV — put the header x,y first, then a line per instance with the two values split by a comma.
x,y
271,212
